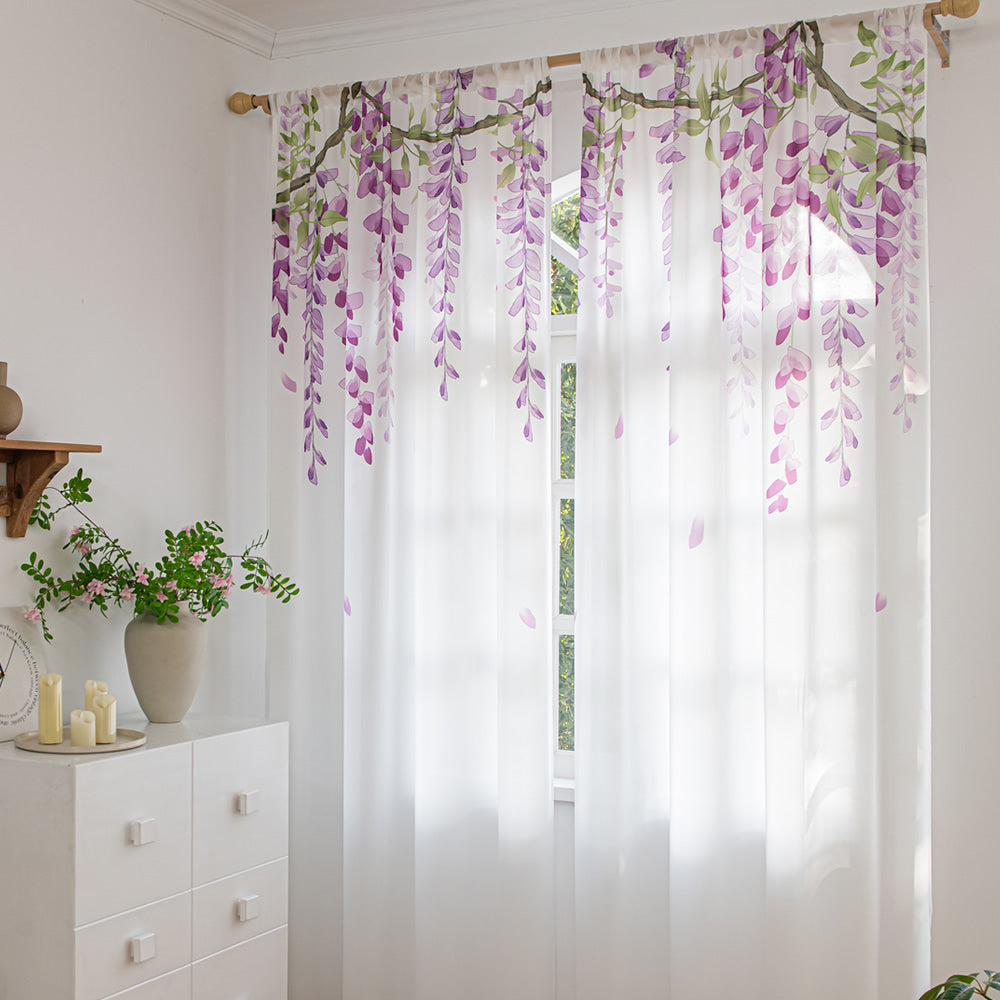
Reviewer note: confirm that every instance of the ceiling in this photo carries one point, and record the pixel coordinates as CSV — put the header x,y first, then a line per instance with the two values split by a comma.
x,y
281,28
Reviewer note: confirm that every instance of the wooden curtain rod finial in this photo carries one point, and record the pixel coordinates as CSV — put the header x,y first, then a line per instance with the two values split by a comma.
x,y
241,103
957,8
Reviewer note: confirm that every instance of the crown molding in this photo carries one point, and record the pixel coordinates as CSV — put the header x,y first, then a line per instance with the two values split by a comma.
x,y
427,23
220,21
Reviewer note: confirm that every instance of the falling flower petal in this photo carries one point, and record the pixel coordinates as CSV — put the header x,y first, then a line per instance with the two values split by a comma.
x,y
347,605
697,533
880,602
528,618
620,427
672,436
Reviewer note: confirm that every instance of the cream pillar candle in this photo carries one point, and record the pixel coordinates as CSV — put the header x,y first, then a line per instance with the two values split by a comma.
x,y
82,728
106,716
50,714
90,690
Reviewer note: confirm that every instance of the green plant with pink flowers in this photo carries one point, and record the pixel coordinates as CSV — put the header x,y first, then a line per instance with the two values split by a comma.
x,y
195,571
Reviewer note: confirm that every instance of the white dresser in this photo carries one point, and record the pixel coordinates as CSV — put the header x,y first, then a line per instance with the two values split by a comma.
x,y
159,873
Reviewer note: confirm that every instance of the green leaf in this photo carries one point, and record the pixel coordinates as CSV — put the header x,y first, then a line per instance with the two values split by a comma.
x,y
302,234
833,205
506,175
628,111
329,217
834,160
413,132
589,138
704,101
710,150
865,35
864,149
867,185
818,173
692,127
861,57
871,83
885,64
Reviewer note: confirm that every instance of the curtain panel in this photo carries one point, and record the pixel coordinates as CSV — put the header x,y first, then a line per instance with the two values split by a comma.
x,y
751,515
752,677
409,282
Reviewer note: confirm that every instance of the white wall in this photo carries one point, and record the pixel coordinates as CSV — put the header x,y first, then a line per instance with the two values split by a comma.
x,y
127,248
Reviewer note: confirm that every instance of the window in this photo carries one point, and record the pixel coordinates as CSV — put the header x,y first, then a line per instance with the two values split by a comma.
x,y
565,243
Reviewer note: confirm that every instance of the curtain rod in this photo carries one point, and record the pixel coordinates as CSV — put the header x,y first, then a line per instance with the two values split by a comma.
x,y
241,103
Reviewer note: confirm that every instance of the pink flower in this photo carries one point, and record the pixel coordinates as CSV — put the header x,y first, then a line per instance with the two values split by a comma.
x,y
198,558
160,596
186,530
225,584
83,548
32,614
172,585
141,576
86,598
76,531
97,587
263,588
126,593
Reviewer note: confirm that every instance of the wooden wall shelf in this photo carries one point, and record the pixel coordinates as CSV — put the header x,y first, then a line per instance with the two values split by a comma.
x,y
31,466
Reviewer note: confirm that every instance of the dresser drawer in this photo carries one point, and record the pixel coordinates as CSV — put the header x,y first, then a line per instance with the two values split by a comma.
x,y
123,951
240,801
173,986
256,970
133,830
240,907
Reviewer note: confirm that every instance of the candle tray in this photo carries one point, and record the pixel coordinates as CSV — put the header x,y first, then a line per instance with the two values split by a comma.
x,y
128,739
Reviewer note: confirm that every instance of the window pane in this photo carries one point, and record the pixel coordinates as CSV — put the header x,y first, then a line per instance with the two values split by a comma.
x,y
567,712
567,430
564,288
566,572
566,221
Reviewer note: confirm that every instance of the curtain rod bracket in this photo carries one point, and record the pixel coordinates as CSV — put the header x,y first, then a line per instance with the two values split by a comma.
x,y
941,36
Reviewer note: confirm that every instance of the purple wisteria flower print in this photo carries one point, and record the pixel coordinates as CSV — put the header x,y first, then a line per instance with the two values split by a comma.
x,y
443,189
820,218
358,177
522,191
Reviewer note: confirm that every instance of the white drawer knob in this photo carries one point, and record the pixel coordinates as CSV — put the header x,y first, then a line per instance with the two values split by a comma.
x,y
143,948
142,831
248,908
248,802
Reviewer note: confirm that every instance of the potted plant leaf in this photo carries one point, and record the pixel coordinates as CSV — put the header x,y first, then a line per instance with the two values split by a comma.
x,y
966,987
170,598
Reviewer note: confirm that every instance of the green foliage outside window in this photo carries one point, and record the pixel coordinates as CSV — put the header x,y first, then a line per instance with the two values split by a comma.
x,y
567,709
565,224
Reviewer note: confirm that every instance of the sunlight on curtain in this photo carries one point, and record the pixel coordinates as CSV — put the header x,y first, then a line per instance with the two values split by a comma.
x,y
751,516
410,239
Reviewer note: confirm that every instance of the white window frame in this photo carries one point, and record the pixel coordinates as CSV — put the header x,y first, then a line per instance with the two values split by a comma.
x,y
563,350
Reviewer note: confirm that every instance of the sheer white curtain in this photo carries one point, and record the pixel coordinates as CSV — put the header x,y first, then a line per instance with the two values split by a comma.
x,y
751,517
409,268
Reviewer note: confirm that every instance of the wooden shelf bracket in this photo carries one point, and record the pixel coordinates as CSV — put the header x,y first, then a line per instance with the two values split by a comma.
x,y
31,466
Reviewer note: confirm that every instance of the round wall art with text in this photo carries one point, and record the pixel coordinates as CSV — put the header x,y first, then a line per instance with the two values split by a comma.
x,y
21,661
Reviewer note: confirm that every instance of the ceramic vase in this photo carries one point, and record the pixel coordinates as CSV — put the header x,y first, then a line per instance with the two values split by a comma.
x,y
165,664
11,409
